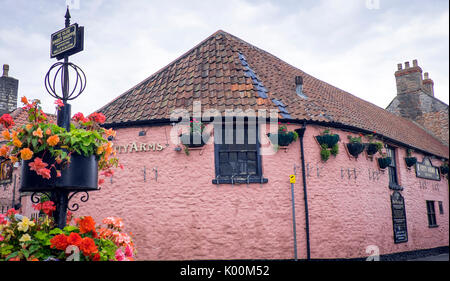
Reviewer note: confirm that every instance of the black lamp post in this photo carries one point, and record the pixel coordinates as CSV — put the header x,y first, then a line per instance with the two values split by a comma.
x,y
82,173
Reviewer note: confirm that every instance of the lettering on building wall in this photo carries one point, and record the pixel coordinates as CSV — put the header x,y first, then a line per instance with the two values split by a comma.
x,y
424,185
139,147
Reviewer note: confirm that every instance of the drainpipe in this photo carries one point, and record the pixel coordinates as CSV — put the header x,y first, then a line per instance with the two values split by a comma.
x,y
301,132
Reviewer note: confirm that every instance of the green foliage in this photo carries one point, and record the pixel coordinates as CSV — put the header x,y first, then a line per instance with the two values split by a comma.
x,y
355,139
335,150
324,152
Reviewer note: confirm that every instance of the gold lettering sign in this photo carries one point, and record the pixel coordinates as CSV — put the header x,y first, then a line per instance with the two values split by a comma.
x,y
426,170
135,147
63,40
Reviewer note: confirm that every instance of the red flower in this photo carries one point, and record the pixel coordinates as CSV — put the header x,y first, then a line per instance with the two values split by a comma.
x,y
74,239
80,117
11,212
86,224
97,117
47,207
7,121
96,257
59,242
88,247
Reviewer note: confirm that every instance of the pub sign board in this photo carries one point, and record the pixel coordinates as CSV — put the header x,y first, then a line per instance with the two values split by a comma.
x,y
399,218
67,41
426,170
6,170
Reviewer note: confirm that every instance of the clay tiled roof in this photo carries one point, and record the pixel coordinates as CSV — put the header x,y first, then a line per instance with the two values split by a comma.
x,y
225,72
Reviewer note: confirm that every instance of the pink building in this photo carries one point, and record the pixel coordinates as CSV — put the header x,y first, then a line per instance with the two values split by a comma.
x,y
235,197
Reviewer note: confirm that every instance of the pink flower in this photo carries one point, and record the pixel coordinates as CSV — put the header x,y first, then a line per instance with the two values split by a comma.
x,y
40,167
120,256
2,238
128,252
59,103
3,220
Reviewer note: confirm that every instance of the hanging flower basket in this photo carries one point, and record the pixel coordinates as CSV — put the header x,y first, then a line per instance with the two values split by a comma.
x,y
329,139
444,169
194,139
355,148
410,161
284,137
53,157
373,147
81,174
384,162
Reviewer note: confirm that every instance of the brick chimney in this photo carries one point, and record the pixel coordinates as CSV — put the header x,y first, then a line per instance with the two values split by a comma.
x,y
408,79
8,91
428,85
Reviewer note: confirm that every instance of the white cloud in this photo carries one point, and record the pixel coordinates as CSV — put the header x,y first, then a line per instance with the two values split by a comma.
x,y
340,42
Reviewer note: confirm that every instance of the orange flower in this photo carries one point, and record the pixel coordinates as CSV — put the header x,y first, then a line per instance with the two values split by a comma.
x,y
38,133
99,150
110,132
4,150
59,242
17,142
29,126
26,153
88,247
86,224
53,140
24,100
14,159
6,134
48,131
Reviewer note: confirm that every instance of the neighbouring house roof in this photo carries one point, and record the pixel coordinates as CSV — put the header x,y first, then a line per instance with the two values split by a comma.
x,y
226,73
20,117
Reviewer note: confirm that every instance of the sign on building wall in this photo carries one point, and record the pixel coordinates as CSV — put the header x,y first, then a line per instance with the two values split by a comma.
x,y
426,170
399,218
6,170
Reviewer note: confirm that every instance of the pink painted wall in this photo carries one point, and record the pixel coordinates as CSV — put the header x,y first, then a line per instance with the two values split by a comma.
x,y
183,216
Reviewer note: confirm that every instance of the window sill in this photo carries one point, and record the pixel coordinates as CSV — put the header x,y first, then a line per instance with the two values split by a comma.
x,y
433,226
240,180
394,186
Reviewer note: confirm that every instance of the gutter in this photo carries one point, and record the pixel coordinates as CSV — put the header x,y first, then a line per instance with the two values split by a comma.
x,y
336,125
301,132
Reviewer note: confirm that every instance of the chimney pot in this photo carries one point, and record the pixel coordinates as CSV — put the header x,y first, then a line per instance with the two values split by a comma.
x,y
414,62
5,70
406,64
425,75
399,66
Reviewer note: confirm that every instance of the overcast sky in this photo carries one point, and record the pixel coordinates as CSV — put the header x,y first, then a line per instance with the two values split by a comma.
x,y
354,45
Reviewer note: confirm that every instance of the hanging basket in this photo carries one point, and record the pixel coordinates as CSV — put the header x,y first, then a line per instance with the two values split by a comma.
x,y
410,161
444,169
355,148
384,162
282,139
329,140
194,140
371,148
80,175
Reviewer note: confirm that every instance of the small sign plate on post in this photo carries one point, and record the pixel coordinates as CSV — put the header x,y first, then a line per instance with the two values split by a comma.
x,y
67,41
292,178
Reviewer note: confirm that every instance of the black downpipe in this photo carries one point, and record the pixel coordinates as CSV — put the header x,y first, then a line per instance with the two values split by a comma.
x,y
301,132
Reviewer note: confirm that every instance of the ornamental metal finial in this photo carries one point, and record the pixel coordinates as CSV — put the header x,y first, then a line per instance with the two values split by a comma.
x,y
67,16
